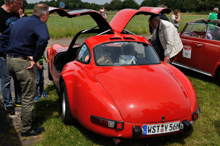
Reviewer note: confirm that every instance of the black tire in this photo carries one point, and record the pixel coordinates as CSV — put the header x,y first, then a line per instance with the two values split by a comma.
x,y
49,74
218,75
65,109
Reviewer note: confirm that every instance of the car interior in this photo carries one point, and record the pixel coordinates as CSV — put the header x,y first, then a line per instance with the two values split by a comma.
x,y
62,58
202,30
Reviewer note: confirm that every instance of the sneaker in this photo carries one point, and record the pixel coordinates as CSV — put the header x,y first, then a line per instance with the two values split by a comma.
x,y
10,110
36,99
17,104
33,132
44,95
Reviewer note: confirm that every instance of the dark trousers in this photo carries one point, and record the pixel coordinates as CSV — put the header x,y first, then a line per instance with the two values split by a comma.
x,y
26,78
40,80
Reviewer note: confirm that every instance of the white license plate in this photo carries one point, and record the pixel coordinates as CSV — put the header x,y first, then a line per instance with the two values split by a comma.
x,y
161,128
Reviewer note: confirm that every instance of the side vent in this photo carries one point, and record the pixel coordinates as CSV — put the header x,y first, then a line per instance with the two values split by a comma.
x,y
115,39
127,38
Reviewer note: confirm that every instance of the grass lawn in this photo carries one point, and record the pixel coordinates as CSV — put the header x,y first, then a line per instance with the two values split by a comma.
x,y
206,130
60,27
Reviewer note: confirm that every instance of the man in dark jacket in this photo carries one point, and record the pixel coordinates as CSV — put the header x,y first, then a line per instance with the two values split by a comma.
x,y
27,40
8,16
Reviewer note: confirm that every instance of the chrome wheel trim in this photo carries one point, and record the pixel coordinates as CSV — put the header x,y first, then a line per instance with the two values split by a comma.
x,y
63,105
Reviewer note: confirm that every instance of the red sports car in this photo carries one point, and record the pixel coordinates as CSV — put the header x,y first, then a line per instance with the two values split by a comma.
x,y
114,84
201,49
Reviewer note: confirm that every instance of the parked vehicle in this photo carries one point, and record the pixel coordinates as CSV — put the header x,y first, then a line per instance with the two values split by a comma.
x,y
114,83
201,47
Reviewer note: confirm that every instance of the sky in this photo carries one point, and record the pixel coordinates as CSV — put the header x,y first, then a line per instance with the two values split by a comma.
x,y
101,2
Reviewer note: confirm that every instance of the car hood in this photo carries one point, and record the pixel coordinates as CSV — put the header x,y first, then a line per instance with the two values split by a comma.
x,y
145,94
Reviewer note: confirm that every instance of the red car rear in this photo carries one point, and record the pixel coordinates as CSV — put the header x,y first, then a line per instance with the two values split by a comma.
x,y
115,85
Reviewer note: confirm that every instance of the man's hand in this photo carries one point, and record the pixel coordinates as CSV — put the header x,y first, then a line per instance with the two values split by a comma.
x,y
46,60
32,62
167,59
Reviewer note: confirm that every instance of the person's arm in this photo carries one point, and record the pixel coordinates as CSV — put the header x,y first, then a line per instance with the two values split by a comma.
x,y
169,43
1,25
178,18
46,59
32,62
4,39
39,66
105,16
43,37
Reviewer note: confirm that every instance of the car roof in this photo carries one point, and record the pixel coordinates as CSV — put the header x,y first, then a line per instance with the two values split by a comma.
x,y
116,37
125,15
101,22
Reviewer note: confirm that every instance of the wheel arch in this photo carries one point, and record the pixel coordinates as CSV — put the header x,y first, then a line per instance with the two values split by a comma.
x,y
217,74
216,69
70,93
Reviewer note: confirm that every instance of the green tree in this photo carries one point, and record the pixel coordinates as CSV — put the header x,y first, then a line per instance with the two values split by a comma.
x,y
70,5
179,5
150,3
189,5
115,5
130,4
107,6
169,3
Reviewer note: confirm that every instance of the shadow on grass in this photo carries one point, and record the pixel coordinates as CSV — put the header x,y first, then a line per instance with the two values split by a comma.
x,y
51,106
162,140
106,141
46,108
198,76
217,126
8,133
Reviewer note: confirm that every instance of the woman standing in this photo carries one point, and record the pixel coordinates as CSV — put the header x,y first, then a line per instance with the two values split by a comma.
x,y
102,11
176,18
22,13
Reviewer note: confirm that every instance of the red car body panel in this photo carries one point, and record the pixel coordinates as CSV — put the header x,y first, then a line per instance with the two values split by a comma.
x,y
125,15
205,54
135,95
138,96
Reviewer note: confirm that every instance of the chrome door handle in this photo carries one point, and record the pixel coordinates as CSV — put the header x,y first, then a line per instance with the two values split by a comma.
x,y
198,45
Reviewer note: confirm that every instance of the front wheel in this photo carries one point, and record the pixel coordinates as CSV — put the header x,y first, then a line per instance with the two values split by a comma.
x,y
49,74
65,113
218,74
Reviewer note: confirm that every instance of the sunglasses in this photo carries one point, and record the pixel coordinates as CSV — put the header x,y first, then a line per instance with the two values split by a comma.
x,y
18,3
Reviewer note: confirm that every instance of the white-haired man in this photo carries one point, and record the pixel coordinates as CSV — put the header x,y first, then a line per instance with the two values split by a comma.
x,y
27,40
165,38
214,14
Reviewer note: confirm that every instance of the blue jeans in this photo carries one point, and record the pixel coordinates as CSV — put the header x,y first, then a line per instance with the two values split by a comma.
x,y
5,82
40,80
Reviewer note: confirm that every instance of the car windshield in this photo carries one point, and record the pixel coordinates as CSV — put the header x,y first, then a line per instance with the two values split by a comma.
x,y
125,53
